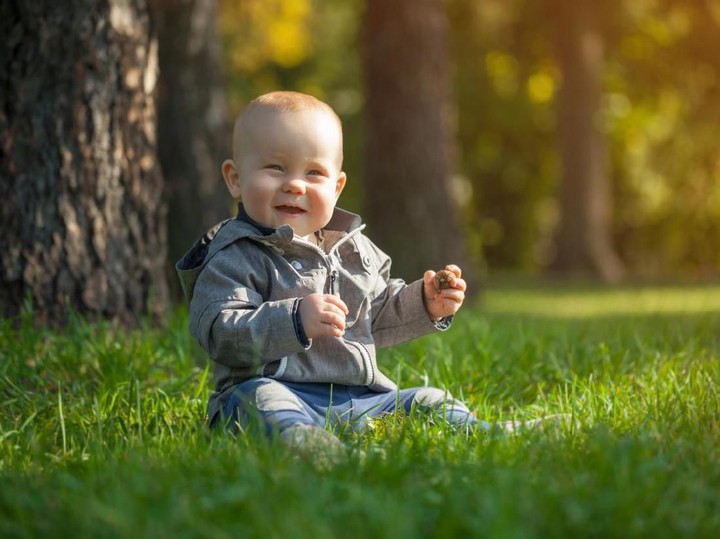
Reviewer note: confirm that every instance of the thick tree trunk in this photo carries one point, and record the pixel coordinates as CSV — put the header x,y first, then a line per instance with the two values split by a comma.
x,y
194,131
409,208
583,240
83,223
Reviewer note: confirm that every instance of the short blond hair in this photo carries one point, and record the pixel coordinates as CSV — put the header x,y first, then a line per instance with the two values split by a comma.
x,y
280,101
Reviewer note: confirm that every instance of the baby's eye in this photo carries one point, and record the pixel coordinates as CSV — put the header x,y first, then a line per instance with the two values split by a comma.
x,y
273,166
316,172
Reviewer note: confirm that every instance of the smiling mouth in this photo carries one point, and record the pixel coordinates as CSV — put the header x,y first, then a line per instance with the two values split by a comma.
x,y
291,210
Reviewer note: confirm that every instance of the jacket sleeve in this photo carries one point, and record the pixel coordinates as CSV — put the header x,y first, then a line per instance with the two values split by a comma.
x,y
231,320
398,312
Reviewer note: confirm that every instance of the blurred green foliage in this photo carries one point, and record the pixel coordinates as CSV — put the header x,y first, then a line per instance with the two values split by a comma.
x,y
660,114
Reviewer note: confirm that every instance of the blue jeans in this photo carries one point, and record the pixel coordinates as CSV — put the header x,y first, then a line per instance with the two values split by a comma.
x,y
279,405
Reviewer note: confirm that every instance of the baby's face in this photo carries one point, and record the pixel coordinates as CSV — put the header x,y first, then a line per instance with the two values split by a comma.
x,y
289,169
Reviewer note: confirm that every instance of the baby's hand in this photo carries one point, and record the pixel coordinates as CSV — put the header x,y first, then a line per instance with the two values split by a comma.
x,y
323,315
444,291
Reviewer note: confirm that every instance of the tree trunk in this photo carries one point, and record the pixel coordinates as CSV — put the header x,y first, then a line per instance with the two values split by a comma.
x,y
194,132
583,239
409,163
81,206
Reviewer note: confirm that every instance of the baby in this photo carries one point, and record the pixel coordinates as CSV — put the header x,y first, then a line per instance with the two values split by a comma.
x,y
290,299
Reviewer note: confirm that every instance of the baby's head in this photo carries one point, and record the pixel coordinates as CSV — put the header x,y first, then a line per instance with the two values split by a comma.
x,y
287,161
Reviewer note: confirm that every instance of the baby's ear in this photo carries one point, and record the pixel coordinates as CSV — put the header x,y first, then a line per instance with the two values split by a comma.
x,y
231,177
340,185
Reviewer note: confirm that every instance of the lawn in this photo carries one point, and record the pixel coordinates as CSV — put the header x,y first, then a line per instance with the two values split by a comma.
x,y
101,431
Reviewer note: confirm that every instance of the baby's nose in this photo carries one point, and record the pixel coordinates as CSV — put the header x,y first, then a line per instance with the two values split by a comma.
x,y
294,185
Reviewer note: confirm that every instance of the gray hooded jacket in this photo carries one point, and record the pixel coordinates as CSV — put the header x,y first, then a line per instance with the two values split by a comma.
x,y
244,283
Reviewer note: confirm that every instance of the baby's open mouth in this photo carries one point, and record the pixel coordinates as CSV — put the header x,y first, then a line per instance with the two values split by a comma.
x,y
289,209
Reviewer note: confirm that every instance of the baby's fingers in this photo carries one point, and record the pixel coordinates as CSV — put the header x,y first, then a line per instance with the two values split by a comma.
x,y
454,269
333,318
459,284
337,302
452,294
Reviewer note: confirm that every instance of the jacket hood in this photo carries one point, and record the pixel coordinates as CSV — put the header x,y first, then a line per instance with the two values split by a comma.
x,y
243,226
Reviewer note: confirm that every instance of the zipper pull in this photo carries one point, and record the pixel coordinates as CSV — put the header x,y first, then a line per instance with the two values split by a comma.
x,y
333,280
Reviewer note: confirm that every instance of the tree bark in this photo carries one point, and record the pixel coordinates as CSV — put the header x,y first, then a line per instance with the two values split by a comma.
x,y
81,206
583,238
409,150
194,131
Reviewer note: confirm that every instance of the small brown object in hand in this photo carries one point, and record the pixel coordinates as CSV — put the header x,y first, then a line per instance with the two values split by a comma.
x,y
444,279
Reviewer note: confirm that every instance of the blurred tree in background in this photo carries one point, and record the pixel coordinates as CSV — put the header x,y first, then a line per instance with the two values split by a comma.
x,y
582,239
193,121
410,146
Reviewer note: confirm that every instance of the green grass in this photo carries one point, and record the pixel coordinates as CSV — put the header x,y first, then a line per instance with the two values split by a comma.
x,y
101,431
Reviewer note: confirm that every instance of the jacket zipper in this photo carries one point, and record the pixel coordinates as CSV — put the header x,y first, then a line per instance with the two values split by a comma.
x,y
327,258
